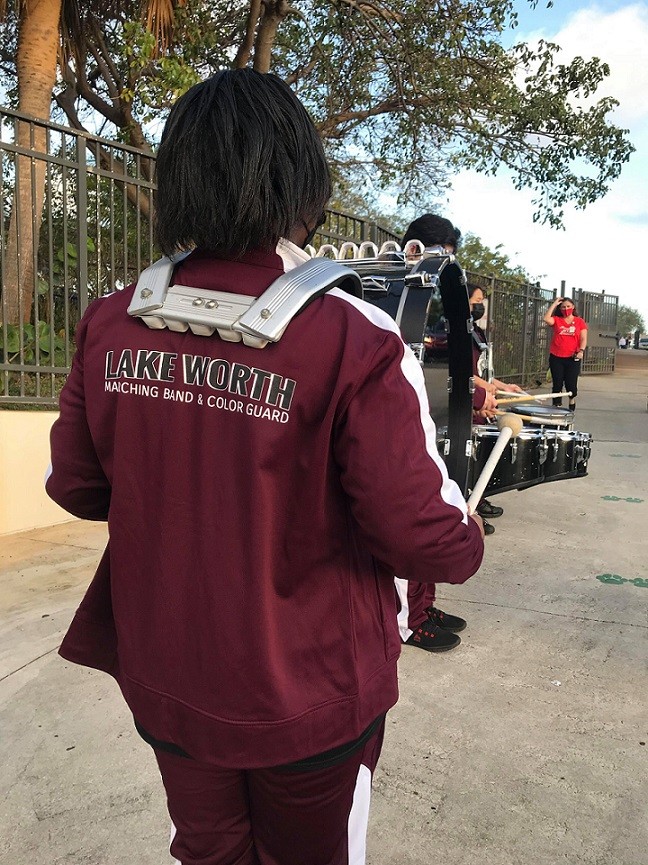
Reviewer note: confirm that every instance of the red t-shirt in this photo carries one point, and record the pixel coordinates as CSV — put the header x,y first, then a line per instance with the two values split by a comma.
x,y
566,337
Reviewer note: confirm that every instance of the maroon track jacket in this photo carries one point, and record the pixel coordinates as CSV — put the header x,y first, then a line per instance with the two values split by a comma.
x,y
259,503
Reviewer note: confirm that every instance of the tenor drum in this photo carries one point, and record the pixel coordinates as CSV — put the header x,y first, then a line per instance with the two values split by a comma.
x,y
544,415
568,453
521,463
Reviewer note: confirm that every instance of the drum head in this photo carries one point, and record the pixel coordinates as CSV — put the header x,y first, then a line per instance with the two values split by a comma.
x,y
544,413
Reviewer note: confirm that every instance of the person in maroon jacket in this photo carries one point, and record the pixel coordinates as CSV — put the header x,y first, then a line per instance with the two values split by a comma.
x,y
259,502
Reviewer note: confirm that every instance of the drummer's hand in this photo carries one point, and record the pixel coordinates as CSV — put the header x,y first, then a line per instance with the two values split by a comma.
x,y
513,388
480,523
490,403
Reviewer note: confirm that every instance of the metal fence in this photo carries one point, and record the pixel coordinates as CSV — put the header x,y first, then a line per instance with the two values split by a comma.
x,y
521,339
76,224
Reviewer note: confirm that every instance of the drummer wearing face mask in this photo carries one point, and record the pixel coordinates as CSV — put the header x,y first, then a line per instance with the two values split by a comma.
x,y
480,359
484,401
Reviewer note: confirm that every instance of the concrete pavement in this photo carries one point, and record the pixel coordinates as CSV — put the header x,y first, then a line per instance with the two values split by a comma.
x,y
527,745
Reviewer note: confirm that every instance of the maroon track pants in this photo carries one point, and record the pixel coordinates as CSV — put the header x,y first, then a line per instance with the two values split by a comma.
x,y
414,599
269,816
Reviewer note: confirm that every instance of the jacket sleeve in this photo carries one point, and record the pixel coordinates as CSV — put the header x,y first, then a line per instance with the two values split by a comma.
x,y
411,515
76,481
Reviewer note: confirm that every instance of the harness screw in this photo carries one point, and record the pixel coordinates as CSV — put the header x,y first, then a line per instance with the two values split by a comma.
x,y
198,301
211,304
265,313
146,292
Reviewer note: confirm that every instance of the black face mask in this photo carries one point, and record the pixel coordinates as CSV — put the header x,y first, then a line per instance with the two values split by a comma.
x,y
311,234
477,311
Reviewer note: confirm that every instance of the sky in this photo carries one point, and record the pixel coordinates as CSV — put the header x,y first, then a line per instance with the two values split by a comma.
x,y
601,248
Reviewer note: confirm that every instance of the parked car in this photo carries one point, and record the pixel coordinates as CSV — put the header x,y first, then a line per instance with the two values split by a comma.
x,y
643,342
435,342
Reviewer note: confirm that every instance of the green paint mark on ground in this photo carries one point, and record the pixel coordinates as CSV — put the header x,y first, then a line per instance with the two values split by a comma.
x,y
619,499
628,456
617,580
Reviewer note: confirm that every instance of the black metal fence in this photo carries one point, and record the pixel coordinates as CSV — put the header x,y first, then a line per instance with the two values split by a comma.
x,y
75,224
521,339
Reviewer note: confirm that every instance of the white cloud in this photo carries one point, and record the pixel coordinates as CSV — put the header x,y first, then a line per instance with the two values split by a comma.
x,y
619,39
601,247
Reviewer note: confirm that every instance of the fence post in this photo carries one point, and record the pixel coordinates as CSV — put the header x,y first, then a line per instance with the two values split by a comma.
x,y
82,222
525,319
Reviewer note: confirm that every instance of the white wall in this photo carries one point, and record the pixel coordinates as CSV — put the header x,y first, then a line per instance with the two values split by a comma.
x,y
24,458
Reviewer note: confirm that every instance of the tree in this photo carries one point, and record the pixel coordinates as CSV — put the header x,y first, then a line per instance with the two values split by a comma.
x,y
404,92
47,29
629,320
476,257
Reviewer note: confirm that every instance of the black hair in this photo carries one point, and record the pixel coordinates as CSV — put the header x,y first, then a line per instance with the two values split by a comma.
x,y
240,165
433,230
473,287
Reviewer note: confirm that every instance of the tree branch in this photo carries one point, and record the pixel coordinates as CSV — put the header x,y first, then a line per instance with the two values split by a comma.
x,y
245,49
274,11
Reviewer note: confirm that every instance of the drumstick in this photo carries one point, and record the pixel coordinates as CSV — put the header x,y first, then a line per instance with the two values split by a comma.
x,y
510,425
536,420
528,396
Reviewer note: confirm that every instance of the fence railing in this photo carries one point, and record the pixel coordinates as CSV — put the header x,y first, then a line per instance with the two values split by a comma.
x,y
75,224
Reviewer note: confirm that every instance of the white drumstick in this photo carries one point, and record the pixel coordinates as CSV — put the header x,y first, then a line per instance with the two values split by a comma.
x,y
510,425
527,397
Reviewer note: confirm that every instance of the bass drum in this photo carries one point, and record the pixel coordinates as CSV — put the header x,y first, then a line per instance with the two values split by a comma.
x,y
431,296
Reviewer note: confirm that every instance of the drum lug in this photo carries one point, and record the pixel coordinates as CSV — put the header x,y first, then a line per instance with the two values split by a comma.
x,y
514,450
556,448
449,384
470,448
543,451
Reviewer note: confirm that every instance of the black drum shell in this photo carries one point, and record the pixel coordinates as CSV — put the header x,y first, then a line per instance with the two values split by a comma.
x,y
568,453
520,464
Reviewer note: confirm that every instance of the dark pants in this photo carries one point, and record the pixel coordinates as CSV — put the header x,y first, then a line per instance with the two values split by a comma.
x,y
269,816
564,371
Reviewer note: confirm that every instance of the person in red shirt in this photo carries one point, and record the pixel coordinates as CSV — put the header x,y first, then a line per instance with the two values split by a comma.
x,y
259,501
568,344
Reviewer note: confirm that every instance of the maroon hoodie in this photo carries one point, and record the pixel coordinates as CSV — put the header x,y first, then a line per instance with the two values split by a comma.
x,y
259,503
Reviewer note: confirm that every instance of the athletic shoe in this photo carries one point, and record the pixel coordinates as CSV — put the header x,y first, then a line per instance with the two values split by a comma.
x,y
445,620
486,509
432,638
488,528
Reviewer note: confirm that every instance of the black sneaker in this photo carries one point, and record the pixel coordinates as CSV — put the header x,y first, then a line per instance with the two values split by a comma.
x,y
486,509
488,528
445,620
432,638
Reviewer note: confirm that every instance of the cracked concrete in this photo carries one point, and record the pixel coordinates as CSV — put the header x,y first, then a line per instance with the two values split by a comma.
x,y
527,745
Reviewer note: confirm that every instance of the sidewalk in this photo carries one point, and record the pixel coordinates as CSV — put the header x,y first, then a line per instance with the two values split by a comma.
x,y
527,745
